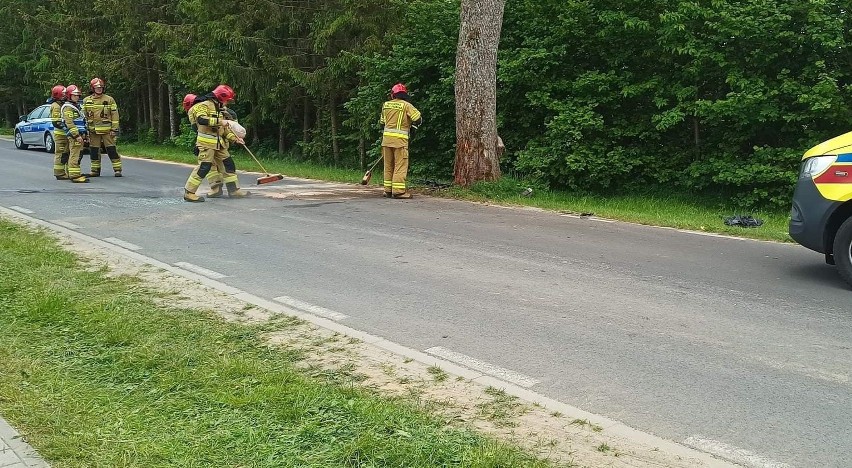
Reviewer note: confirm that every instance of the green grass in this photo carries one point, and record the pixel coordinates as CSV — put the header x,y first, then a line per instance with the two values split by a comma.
x,y
676,211
437,373
7,131
94,373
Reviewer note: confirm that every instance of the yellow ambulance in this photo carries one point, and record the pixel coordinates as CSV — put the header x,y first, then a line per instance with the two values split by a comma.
x,y
821,218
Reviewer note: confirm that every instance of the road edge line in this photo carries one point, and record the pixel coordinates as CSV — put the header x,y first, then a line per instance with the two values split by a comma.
x,y
612,426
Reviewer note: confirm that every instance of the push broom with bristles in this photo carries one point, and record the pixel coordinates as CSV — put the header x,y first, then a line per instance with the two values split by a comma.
x,y
268,178
367,175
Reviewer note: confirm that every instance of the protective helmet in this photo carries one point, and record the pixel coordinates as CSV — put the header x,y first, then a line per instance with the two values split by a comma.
x,y
57,92
224,93
95,83
399,88
188,100
72,90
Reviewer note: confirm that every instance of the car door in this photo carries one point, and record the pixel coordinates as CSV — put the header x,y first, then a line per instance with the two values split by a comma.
x,y
29,132
42,125
27,126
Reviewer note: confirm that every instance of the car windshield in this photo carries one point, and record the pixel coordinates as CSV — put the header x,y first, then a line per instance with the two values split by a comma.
x,y
36,114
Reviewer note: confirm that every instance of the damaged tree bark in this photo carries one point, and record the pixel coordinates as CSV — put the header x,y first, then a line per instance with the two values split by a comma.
x,y
476,92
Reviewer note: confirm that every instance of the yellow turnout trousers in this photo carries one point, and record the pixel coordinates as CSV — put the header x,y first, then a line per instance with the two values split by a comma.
x,y
396,169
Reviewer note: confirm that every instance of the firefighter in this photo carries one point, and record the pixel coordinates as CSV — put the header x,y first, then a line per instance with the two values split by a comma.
x,y
214,177
102,116
223,163
188,102
213,135
74,120
60,140
398,118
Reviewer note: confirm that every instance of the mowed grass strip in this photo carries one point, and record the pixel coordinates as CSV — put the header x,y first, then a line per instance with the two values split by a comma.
x,y
94,373
680,211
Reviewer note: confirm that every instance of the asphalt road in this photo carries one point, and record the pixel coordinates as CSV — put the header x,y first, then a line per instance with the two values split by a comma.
x,y
729,345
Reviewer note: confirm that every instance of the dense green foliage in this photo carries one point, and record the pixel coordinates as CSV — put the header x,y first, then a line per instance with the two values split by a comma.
x,y
700,96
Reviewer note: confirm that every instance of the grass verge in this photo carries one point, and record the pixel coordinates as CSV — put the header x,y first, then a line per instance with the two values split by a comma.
x,y
96,373
676,211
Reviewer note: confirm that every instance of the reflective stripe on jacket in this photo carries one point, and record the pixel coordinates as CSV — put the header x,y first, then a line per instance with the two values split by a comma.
x,y
208,117
101,113
397,117
74,120
57,120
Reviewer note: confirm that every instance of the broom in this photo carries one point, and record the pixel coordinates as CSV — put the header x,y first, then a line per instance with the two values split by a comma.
x,y
268,178
367,175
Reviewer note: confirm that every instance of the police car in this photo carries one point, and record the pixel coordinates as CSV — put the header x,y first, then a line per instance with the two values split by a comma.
x,y
821,218
35,129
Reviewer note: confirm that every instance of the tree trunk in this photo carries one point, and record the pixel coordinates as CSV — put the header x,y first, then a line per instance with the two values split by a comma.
x,y
320,150
255,135
172,117
306,124
140,110
335,147
11,118
696,135
280,138
362,151
151,120
162,131
476,91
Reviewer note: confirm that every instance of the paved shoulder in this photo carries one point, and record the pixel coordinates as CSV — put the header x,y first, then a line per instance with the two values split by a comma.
x,y
14,452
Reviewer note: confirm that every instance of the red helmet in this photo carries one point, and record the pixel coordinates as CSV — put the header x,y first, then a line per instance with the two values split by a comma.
x,y
188,100
72,90
95,83
399,88
57,92
224,93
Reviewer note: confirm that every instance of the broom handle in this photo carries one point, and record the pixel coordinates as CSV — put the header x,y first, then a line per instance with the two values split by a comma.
x,y
255,159
376,162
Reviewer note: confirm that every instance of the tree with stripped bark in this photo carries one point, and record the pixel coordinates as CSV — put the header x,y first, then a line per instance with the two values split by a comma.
x,y
476,91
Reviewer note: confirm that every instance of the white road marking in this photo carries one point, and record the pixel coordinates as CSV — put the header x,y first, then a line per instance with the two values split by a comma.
x,y
121,243
200,270
611,426
735,454
21,210
66,224
711,234
590,218
484,367
310,308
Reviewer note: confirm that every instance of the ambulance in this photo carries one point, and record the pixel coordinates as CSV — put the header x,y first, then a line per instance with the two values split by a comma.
x,y
821,217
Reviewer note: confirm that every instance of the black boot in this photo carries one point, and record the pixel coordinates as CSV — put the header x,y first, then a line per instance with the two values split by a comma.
x,y
95,155
112,152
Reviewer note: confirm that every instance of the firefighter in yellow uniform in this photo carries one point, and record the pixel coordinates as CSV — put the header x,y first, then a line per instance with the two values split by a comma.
x,y
215,177
212,143
398,118
102,116
74,119
223,163
60,140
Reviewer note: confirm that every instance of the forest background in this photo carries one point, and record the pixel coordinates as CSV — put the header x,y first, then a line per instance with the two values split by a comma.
x,y
651,96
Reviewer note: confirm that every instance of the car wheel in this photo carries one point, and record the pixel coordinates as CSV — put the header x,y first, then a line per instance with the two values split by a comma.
x,y
843,250
48,143
19,141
